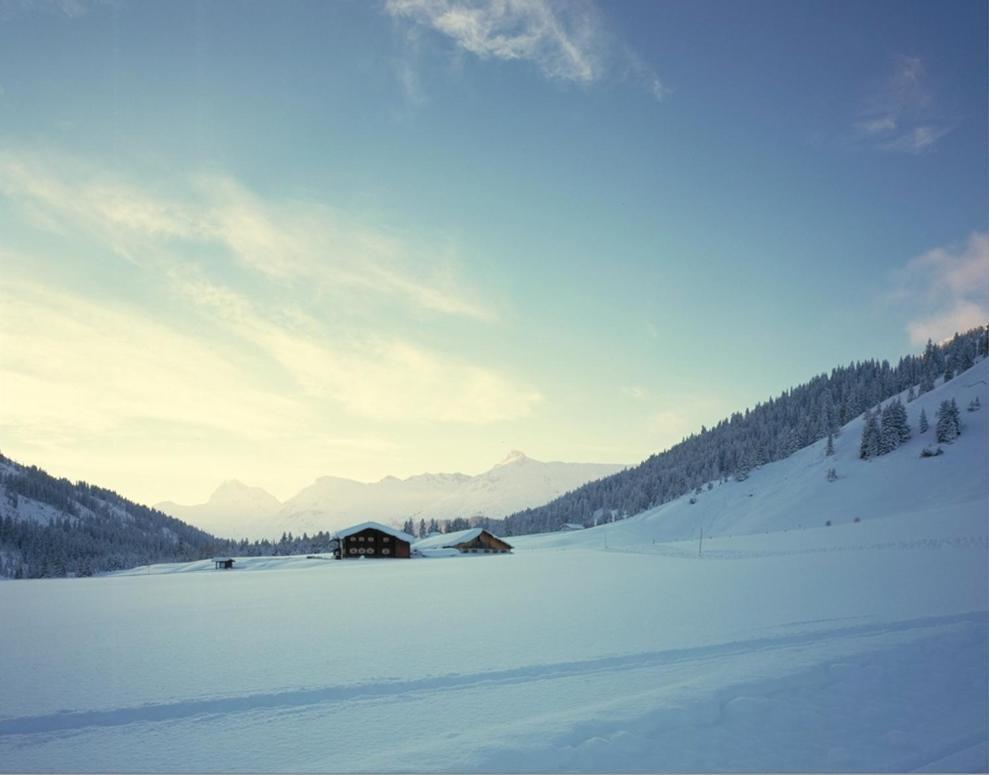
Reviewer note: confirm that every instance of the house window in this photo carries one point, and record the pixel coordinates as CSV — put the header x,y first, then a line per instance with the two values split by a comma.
x,y
386,539
353,550
386,551
370,550
353,539
361,539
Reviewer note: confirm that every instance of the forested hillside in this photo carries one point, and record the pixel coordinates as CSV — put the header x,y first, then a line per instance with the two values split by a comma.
x,y
770,431
53,527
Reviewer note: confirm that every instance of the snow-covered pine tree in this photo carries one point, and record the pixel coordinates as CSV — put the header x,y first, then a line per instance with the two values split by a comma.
x,y
974,405
922,424
946,428
911,394
902,425
832,475
829,449
871,436
889,434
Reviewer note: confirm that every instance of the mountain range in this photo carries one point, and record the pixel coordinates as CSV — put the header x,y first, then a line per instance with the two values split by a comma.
x,y
329,503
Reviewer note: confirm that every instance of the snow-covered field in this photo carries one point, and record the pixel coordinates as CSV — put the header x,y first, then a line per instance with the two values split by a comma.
x,y
787,645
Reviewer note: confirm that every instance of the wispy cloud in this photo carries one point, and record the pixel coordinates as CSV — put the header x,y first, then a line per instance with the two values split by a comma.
x,y
367,371
900,113
66,9
947,289
567,41
296,241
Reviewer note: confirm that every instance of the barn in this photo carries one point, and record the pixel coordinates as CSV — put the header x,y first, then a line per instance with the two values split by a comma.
x,y
474,541
372,539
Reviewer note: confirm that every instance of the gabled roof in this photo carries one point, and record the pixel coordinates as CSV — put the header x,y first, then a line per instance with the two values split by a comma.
x,y
388,530
446,540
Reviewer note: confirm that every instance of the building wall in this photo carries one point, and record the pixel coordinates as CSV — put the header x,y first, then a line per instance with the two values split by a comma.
x,y
374,543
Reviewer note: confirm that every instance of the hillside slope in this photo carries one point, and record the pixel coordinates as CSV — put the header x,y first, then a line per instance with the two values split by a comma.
x,y
54,527
795,493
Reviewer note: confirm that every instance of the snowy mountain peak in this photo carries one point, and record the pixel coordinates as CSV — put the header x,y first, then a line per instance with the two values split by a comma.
x,y
515,456
233,490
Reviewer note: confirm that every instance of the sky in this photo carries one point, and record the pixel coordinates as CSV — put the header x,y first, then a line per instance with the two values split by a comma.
x,y
276,241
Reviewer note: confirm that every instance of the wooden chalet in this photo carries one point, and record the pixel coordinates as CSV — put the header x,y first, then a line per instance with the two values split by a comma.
x,y
474,541
372,539
223,563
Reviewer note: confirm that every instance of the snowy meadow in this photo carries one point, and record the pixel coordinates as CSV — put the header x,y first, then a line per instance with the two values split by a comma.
x,y
780,643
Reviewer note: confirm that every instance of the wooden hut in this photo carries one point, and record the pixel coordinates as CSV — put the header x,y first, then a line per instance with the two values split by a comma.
x,y
474,541
372,539
223,563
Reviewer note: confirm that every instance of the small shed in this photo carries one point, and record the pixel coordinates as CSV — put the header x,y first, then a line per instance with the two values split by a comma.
x,y
474,541
223,563
372,539
568,526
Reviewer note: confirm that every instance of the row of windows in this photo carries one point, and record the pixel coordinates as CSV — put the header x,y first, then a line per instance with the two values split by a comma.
x,y
355,539
369,550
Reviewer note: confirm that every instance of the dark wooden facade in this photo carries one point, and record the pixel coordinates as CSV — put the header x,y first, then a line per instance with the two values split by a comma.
x,y
371,542
485,543
223,563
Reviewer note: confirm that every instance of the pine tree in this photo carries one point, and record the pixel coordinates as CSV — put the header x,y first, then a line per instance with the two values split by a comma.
x,y
911,394
974,405
832,475
923,421
869,446
899,414
889,434
829,450
947,427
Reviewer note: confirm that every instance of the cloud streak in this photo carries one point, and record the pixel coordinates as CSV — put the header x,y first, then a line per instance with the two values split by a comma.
x,y
300,242
900,114
947,288
364,370
566,41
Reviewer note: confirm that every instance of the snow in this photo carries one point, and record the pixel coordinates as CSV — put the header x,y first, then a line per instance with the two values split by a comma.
x,y
387,530
446,540
780,644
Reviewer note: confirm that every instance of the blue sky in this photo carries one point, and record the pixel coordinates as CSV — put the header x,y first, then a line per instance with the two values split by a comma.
x,y
274,241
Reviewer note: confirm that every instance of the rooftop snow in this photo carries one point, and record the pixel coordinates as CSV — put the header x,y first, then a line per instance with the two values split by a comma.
x,y
393,532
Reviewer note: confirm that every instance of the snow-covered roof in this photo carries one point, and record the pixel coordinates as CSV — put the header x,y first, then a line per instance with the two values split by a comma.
x,y
444,540
386,529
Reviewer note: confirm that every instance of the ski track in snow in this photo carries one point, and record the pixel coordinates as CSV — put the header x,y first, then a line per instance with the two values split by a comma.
x,y
71,720
786,678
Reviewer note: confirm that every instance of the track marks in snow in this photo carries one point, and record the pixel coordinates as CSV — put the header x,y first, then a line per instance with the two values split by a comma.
x,y
391,691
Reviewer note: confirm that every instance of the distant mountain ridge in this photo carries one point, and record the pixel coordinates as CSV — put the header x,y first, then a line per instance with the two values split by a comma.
x,y
331,502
